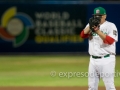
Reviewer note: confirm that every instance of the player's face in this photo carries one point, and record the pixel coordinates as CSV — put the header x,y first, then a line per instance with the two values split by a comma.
x,y
99,17
103,17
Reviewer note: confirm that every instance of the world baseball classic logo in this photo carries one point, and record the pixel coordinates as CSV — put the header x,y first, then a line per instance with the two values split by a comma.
x,y
15,26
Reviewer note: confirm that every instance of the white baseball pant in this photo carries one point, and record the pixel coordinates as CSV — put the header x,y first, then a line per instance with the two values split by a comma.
x,y
101,68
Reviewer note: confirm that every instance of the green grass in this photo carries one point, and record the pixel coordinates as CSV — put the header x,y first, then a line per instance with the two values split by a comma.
x,y
35,70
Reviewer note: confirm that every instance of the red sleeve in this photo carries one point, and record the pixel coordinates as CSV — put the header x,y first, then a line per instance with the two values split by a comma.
x,y
108,40
84,35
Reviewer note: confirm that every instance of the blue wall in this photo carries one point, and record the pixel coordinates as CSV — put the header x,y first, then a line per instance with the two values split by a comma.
x,y
49,27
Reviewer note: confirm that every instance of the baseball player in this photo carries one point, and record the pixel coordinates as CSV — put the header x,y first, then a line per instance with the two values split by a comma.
x,y
102,36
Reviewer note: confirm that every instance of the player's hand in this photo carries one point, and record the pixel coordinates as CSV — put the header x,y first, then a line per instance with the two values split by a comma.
x,y
95,28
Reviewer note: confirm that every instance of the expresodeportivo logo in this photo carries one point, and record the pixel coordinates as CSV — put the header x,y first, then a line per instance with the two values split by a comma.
x,y
15,26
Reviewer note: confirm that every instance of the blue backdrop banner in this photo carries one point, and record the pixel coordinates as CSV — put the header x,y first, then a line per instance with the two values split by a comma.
x,y
42,27
39,27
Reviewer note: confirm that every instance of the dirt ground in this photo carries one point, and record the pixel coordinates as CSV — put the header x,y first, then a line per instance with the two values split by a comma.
x,y
49,88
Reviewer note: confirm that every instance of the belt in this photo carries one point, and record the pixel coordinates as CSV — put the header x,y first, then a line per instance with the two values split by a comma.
x,y
98,57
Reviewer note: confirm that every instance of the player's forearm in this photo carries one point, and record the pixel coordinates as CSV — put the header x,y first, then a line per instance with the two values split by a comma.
x,y
102,35
85,33
106,39
87,30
